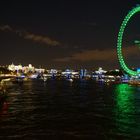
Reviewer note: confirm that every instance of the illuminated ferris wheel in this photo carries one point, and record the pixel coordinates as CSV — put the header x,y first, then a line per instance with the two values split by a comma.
x,y
120,39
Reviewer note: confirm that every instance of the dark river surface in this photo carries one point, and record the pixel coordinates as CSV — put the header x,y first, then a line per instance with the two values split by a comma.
x,y
62,110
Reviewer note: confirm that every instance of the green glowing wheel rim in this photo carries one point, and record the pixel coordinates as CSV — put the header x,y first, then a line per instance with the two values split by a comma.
x,y
120,38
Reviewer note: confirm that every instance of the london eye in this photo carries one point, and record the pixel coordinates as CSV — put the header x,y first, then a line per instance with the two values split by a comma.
x,y
120,40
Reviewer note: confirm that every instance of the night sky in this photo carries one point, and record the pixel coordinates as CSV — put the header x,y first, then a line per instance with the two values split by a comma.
x,y
67,34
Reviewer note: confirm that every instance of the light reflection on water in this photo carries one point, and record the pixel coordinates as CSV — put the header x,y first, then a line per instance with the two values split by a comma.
x,y
124,100
63,110
127,110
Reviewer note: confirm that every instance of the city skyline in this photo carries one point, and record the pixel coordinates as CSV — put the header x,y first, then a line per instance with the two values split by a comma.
x,y
67,34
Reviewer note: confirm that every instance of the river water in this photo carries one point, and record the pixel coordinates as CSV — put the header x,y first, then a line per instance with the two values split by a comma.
x,y
59,109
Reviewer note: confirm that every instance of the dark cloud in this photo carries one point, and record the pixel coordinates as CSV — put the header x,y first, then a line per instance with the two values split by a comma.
x,y
30,36
41,39
99,55
6,28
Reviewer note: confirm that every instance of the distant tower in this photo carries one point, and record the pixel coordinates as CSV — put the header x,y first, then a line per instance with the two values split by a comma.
x,y
83,73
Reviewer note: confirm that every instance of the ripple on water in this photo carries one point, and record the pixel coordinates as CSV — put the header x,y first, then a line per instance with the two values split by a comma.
x,y
80,110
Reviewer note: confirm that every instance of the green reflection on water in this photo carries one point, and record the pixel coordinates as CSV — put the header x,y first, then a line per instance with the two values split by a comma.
x,y
124,99
125,108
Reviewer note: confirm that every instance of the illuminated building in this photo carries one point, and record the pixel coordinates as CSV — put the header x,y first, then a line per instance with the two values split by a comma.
x,y
39,70
13,67
24,69
70,73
